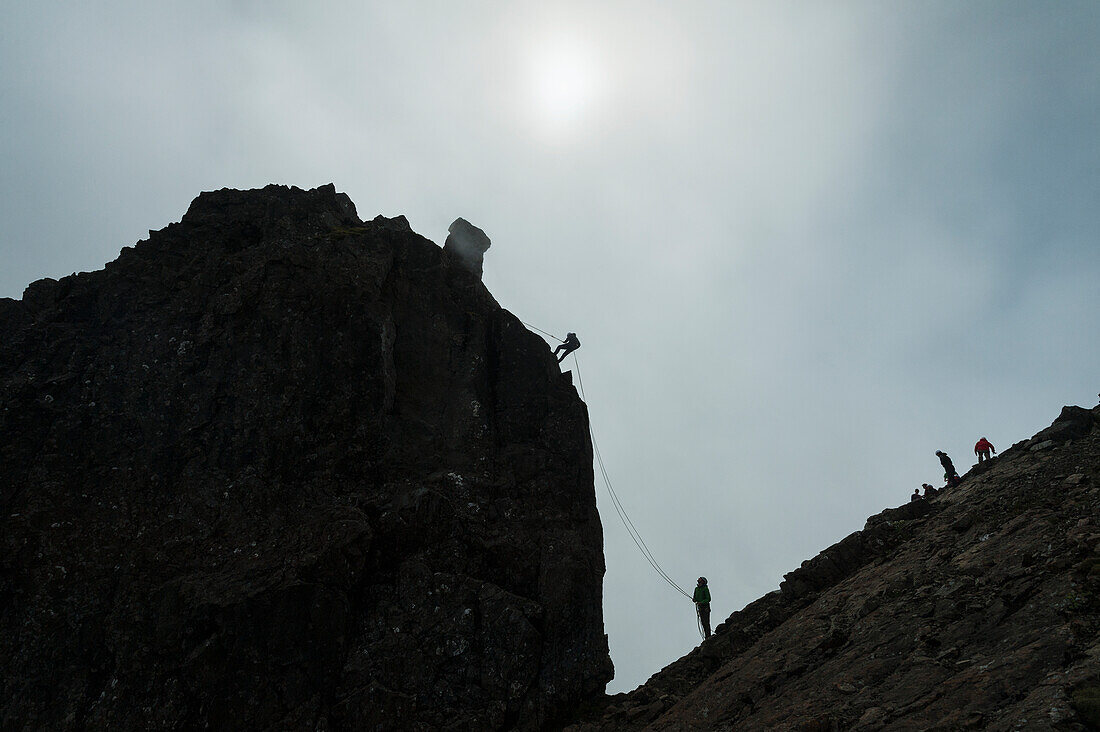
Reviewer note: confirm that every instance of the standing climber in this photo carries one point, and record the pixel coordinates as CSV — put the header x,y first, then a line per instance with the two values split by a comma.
x,y
982,449
949,473
570,344
701,598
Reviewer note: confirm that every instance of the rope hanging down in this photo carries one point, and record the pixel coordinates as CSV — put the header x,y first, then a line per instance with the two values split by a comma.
x,y
635,535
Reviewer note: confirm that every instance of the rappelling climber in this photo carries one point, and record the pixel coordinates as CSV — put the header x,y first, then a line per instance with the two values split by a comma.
x,y
701,598
982,449
949,473
570,344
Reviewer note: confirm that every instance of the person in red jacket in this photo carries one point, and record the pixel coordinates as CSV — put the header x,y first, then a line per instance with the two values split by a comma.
x,y
983,448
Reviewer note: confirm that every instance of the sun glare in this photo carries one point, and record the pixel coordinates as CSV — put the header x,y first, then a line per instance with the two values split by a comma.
x,y
565,82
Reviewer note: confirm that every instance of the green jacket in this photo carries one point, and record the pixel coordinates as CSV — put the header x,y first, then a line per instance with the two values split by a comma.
x,y
702,594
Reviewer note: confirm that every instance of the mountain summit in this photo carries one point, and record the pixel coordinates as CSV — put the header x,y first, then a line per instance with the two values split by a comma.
x,y
279,468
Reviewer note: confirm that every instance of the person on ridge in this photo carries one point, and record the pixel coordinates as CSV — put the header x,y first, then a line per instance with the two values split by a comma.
x,y
949,473
929,491
701,598
570,344
983,448
915,496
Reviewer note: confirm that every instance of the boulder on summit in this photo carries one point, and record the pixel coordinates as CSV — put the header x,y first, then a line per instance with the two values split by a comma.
x,y
467,244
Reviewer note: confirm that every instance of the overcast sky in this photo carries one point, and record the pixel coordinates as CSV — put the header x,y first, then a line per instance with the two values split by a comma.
x,y
805,245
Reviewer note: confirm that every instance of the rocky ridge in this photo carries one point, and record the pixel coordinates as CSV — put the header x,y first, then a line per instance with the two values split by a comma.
x,y
279,468
977,609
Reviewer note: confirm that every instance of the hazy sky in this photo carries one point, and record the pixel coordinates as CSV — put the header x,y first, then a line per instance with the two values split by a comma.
x,y
805,245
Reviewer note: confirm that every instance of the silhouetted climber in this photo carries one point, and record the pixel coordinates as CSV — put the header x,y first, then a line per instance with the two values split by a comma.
x,y
915,496
949,473
929,491
570,344
982,449
701,598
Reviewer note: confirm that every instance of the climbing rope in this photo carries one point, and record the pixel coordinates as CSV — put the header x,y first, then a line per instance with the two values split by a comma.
x,y
635,535
540,330
631,529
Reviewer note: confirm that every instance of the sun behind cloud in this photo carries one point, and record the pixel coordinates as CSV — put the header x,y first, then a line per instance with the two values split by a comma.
x,y
566,80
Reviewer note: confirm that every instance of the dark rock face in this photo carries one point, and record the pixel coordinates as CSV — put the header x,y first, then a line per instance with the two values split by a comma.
x,y
279,468
977,609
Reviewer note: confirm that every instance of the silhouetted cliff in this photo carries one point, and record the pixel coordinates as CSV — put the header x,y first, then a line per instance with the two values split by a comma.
x,y
275,467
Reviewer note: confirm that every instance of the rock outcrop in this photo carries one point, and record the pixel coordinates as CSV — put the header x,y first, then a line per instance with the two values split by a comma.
x,y
977,609
467,244
278,468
